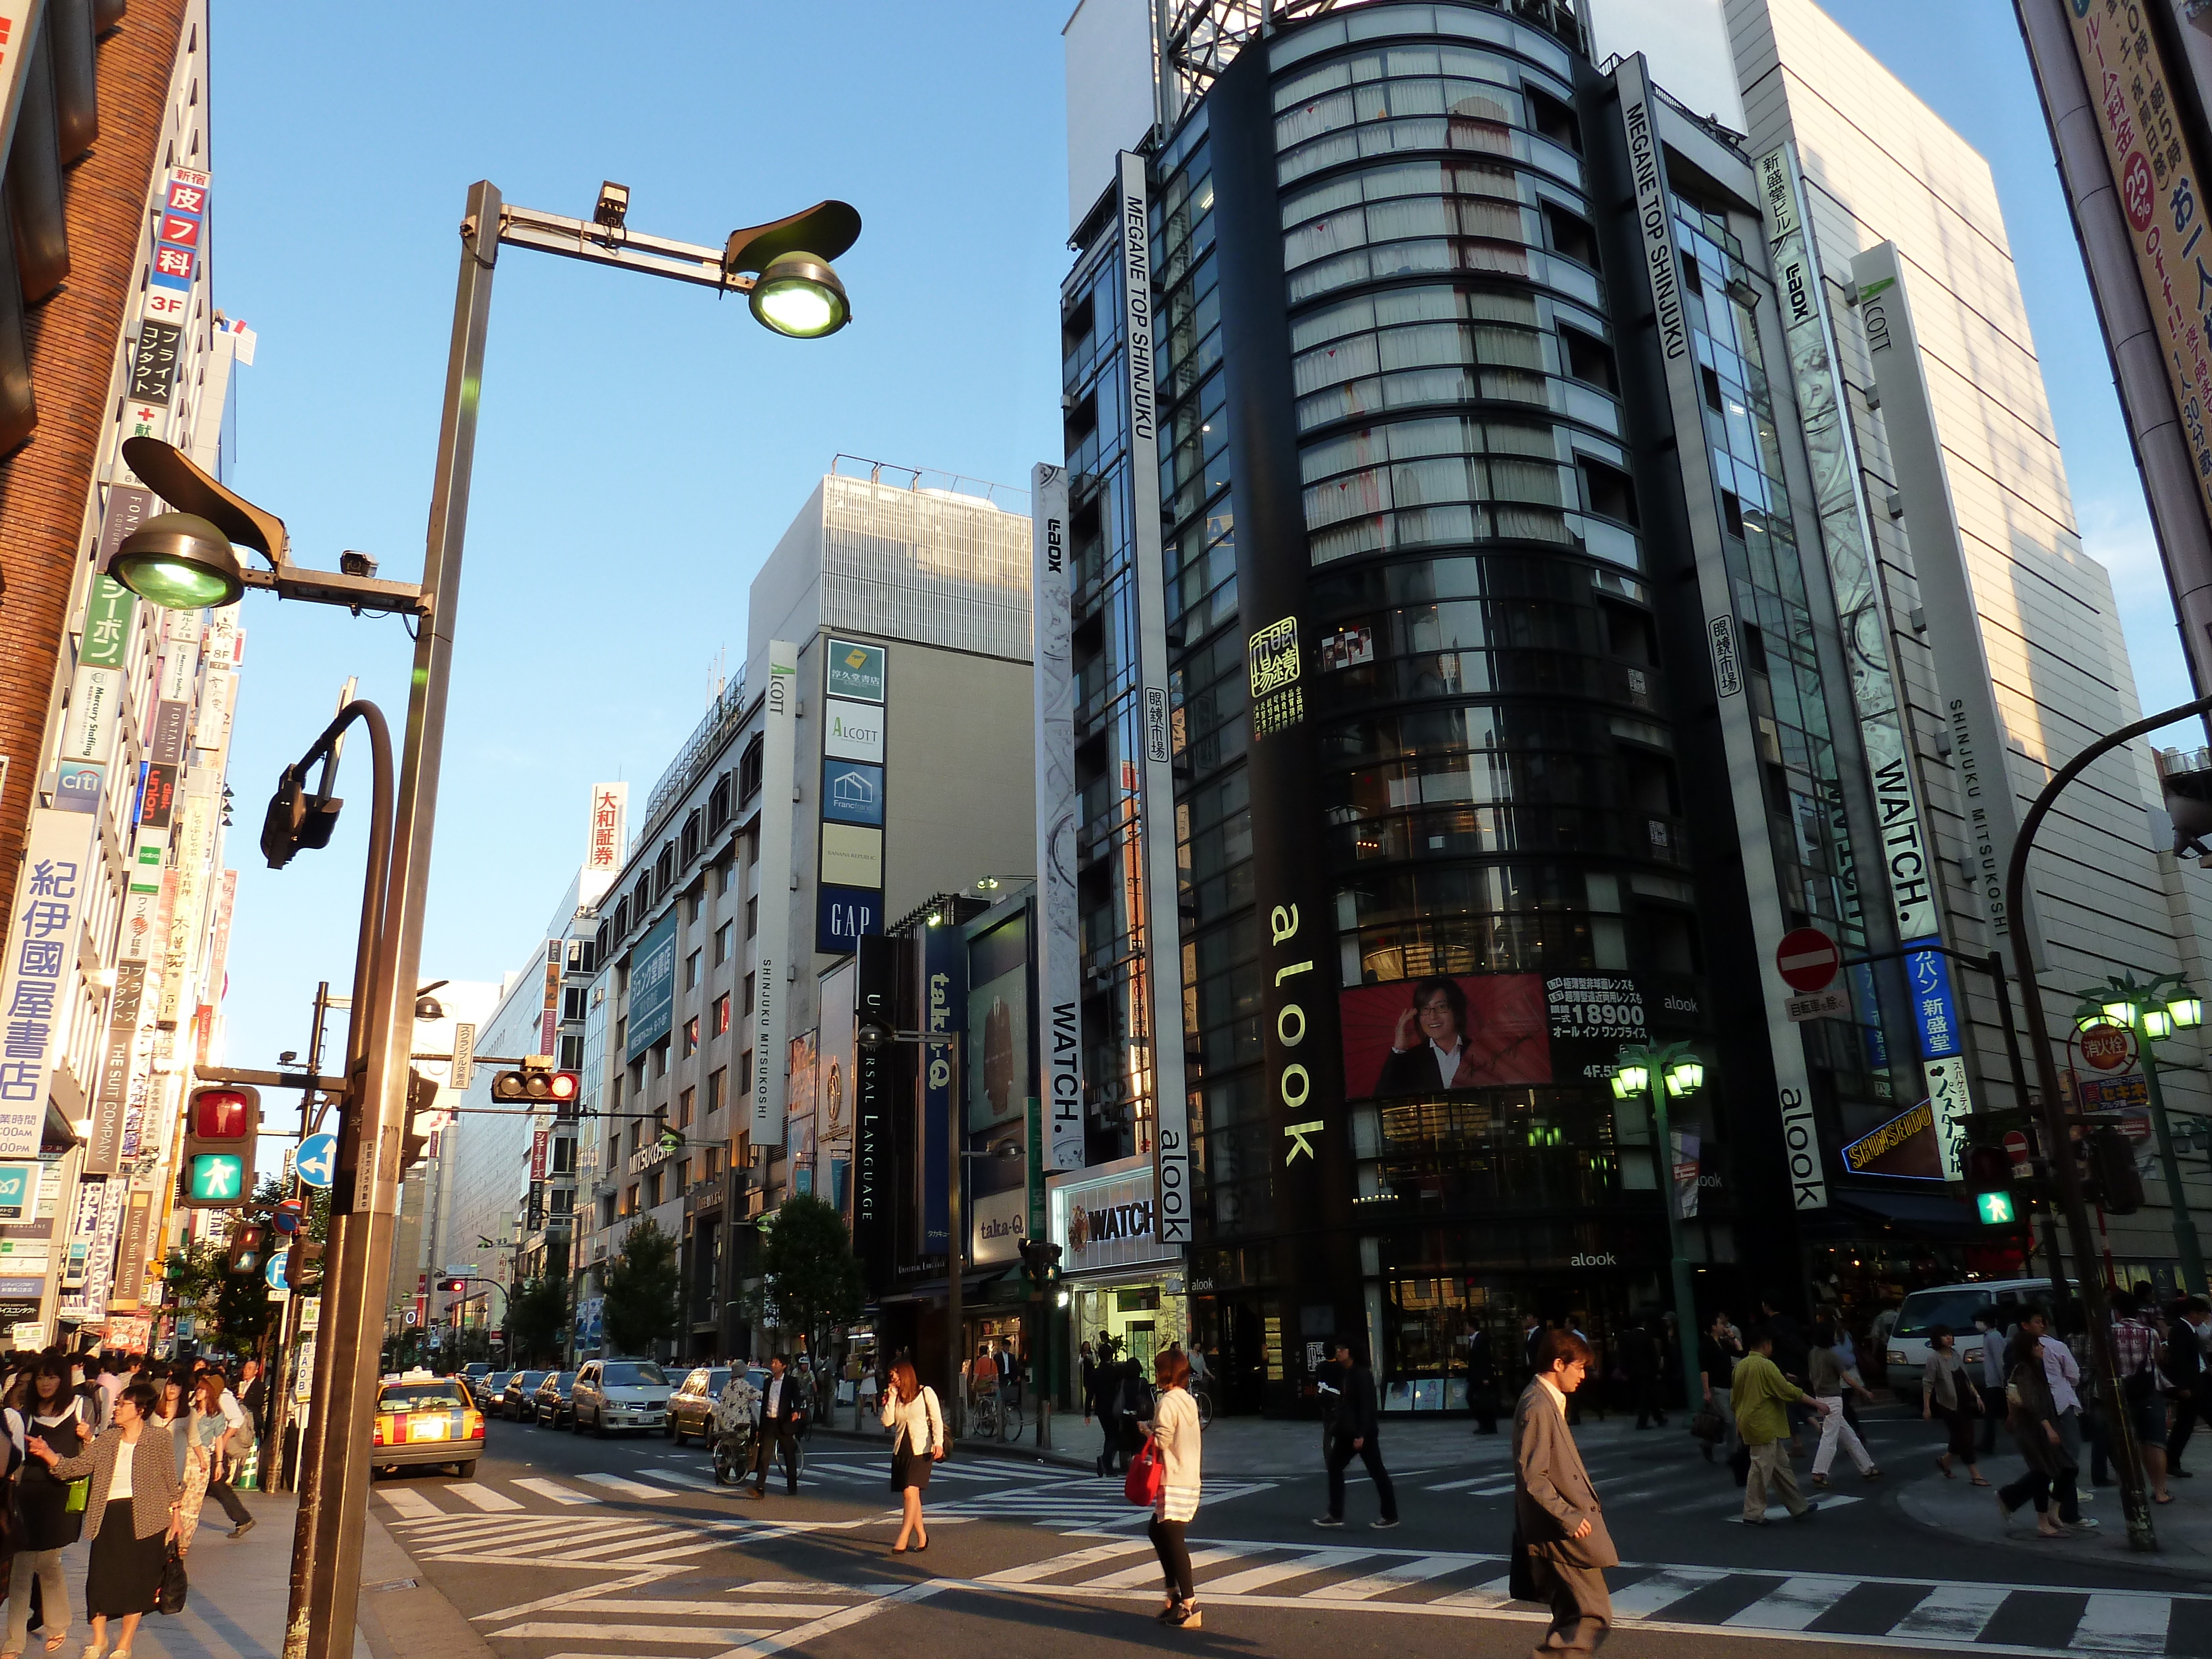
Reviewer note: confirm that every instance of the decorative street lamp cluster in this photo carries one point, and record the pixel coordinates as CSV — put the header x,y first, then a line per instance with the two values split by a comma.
x,y
1658,1075
2155,1010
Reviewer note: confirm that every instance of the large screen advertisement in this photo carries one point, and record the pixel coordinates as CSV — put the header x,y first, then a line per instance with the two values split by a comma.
x,y
1501,1031
998,1086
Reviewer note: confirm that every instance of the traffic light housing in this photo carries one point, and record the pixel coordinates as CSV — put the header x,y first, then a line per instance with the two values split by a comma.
x,y
454,1287
222,1123
536,1084
297,819
305,1270
249,1243
1041,1262
421,1096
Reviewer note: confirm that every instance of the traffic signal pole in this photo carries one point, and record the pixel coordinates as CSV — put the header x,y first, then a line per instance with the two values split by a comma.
x,y
2095,1306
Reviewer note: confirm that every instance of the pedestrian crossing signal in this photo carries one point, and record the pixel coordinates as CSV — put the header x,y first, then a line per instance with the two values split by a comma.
x,y
1995,1208
222,1123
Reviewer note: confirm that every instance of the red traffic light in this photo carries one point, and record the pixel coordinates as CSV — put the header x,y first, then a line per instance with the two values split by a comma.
x,y
563,1085
532,1086
223,1114
454,1287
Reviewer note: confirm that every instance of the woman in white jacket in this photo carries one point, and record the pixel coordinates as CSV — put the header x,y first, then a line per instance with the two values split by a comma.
x,y
1174,1428
917,1426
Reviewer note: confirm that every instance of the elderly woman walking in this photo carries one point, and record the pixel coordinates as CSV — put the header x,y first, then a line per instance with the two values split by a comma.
x,y
1174,1428
917,1426
131,1512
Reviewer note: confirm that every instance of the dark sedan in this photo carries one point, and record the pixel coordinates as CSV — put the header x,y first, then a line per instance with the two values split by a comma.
x,y
550,1406
517,1401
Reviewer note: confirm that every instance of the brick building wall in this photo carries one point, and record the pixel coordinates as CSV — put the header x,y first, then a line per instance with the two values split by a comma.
x,y
45,488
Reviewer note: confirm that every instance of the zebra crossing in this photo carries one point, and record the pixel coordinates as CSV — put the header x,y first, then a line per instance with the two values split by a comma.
x,y
1082,1503
1672,1482
625,1615
1918,1614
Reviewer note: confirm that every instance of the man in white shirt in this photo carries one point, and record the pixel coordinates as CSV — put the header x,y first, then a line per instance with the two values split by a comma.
x,y
240,1428
781,1416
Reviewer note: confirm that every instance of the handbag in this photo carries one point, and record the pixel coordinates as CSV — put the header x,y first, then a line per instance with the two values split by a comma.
x,y
80,1494
1147,1477
174,1586
1706,1424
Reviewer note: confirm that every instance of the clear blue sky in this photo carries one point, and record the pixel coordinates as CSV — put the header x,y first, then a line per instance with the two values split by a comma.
x,y
643,443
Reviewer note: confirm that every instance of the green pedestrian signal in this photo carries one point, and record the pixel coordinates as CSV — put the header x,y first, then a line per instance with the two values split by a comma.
x,y
218,1178
1995,1208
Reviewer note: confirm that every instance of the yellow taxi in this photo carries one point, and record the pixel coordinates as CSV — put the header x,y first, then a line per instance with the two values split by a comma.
x,y
424,1418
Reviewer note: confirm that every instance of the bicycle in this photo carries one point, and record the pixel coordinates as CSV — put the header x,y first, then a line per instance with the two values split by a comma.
x,y
994,1418
1201,1395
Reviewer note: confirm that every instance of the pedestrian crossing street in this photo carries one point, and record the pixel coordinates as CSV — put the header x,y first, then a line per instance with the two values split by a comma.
x,y
1918,1614
1663,1478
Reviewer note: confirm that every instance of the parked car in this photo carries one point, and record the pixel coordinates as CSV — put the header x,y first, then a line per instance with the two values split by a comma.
x,y
691,1408
423,1419
1955,1305
518,1401
619,1393
549,1405
489,1389
475,1372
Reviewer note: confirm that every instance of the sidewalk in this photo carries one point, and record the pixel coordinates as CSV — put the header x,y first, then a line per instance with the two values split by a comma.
x,y
1960,1509
240,1591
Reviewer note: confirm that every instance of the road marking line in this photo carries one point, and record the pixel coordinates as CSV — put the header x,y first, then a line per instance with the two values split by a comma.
x,y
1794,1603
1273,1572
1959,1613
1663,1589
1034,1570
809,1587
660,1609
471,1491
1391,1578
2121,1624
652,1576
1494,1593
556,1492
435,1534
410,1505
685,1478
799,1635
627,1487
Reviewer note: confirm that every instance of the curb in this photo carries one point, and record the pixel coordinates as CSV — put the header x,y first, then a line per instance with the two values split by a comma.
x,y
401,1615
2107,1547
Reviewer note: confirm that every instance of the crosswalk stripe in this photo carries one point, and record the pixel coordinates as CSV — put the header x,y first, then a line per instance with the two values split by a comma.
x,y
1496,1593
1958,1613
1794,1603
449,1528
683,1477
1145,1572
1454,1486
1395,1576
484,1498
1661,1589
2123,1624
1046,1568
627,1488
1273,1572
694,1635
409,1506
556,1492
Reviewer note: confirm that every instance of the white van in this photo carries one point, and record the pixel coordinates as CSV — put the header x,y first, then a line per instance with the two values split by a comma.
x,y
1955,1305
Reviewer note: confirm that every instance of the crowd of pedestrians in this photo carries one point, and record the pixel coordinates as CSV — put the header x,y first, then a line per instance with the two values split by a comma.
x,y
125,1451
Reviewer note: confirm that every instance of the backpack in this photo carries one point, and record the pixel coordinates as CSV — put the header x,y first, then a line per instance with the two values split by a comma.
x,y
2140,1384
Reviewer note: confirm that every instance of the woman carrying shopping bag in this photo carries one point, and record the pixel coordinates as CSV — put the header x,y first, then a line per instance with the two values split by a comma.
x,y
1948,1391
917,1426
131,1512
1174,1430
52,1519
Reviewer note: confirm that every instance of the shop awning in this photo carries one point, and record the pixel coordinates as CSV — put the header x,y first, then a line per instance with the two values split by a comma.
x,y
1936,1213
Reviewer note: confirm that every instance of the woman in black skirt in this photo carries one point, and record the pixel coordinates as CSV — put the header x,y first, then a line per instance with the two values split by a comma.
x,y
917,1426
131,1512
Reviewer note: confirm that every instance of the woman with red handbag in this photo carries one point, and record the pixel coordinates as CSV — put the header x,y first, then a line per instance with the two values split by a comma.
x,y
1166,1472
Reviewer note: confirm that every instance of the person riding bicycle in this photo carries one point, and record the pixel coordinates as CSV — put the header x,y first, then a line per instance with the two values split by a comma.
x,y
737,1412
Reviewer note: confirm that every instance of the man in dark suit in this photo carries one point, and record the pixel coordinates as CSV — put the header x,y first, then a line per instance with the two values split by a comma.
x,y
1354,1434
1532,1348
783,1412
1558,1528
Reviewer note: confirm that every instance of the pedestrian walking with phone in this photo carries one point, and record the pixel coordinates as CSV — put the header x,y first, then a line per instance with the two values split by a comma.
x,y
917,1426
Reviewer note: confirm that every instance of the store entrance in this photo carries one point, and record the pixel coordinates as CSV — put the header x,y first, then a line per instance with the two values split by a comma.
x,y
1231,1334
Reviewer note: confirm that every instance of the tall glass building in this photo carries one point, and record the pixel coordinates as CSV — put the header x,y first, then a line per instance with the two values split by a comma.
x,y
1512,718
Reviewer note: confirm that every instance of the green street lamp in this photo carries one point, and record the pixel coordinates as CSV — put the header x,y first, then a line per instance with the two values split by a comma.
x,y
1657,1076
2156,1011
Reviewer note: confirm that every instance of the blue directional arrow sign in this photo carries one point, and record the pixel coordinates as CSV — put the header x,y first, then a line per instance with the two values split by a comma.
x,y
317,1159
274,1271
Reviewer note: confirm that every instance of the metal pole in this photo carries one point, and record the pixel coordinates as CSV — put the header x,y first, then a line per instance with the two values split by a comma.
x,y
955,1262
2184,1224
364,1252
280,1387
376,885
2059,1292
2095,1309
1686,1297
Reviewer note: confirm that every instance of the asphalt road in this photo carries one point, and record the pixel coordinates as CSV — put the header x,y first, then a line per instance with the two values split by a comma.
x,y
569,1546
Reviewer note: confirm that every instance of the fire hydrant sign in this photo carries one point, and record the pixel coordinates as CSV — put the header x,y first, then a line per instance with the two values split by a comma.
x,y
1807,960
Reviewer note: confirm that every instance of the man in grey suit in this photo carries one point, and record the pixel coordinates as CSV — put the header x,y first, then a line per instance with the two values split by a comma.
x,y
1557,1526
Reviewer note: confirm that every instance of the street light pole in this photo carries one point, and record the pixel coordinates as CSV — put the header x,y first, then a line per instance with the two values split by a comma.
x,y
1673,1067
2185,1223
2096,1308
2153,1013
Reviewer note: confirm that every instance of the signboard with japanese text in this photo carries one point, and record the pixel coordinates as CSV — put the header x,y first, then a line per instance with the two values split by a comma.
x,y
851,669
38,975
652,987
610,818
111,1093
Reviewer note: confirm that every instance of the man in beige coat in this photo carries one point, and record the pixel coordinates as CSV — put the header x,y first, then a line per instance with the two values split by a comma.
x,y
1557,1520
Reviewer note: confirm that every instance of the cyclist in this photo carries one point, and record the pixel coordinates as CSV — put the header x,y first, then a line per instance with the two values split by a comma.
x,y
737,1412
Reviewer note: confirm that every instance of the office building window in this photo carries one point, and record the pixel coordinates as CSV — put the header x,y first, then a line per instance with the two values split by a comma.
x,y
684,1102
749,996
608,1208
690,1036
572,1054
753,917
629,1206
722,1014
653,1190
691,971
746,1072
660,1058
683,1174
714,1162
721,944
715,1081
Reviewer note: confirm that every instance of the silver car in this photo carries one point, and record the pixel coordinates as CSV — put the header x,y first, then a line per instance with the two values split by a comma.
x,y
619,1393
